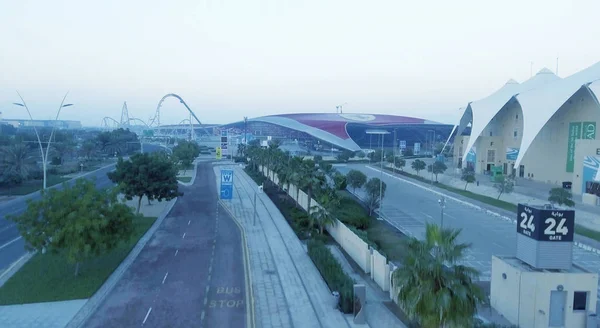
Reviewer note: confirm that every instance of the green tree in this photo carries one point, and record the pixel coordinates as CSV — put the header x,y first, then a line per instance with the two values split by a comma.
x,y
468,176
184,154
561,196
433,288
400,163
436,168
311,179
321,213
151,175
87,149
418,165
375,190
345,156
340,181
318,159
361,154
356,179
79,220
504,185
407,152
376,156
17,161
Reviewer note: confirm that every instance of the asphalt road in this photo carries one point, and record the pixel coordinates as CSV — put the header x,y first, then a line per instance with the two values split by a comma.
x,y
12,246
409,207
190,274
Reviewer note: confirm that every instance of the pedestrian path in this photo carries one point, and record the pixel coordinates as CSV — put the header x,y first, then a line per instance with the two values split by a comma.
x,y
43,315
377,314
288,289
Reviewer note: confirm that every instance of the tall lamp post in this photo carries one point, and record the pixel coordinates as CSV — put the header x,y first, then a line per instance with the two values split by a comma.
x,y
382,133
44,156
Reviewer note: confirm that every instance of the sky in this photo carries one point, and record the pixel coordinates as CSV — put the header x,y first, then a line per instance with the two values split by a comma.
x,y
233,58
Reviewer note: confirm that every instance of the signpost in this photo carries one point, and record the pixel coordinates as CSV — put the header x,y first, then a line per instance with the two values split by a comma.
x,y
226,184
545,236
224,142
218,153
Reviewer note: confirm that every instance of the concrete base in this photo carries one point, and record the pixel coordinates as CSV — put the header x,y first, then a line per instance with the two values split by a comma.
x,y
589,199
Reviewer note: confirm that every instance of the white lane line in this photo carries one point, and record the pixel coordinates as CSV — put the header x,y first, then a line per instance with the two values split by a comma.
x,y
207,288
450,216
17,262
427,215
177,251
10,242
202,315
183,236
498,245
147,314
165,278
190,221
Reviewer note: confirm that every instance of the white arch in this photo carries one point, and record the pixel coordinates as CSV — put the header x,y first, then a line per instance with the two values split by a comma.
x,y
483,111
539,105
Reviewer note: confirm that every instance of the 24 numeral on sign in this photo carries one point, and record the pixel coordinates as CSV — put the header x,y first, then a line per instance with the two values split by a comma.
x,y
527,222
561,229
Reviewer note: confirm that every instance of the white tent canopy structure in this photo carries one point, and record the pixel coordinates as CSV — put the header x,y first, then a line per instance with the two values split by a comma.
x,y
539,105
483,111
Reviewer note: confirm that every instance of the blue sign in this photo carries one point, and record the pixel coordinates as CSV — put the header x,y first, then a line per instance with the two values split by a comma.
x,y
472,155
226,184
512,154
591,164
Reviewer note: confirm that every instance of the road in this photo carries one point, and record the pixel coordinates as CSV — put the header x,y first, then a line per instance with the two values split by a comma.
x,y
409,208
12,246
190,274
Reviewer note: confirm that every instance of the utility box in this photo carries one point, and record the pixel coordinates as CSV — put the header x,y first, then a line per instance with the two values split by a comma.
x,y
545,236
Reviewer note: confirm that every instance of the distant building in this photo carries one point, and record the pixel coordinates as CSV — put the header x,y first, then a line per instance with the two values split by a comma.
x,y
24,123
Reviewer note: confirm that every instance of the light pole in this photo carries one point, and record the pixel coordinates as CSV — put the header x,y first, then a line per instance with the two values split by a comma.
x,y
442,202
382,133
44,156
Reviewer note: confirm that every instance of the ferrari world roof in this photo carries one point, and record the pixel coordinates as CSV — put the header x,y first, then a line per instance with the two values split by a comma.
x,y
331,127
539,97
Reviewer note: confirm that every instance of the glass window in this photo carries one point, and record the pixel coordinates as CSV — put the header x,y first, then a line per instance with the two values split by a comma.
x,y
515,133
491,155
580,301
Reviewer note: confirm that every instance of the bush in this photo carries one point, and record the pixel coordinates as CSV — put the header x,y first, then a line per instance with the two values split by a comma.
x,y
333,274
363,235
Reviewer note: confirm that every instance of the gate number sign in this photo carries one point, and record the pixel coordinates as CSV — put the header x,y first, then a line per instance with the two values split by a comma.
x,y
545,224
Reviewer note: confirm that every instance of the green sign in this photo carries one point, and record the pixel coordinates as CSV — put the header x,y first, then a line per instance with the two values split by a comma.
x,y
574,134
589,130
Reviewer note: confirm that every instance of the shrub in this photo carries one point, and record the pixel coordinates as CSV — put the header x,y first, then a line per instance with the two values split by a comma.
x,y
332,273
363,235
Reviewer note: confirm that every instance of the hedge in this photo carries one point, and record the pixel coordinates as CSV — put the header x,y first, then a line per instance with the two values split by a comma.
x,y
333,273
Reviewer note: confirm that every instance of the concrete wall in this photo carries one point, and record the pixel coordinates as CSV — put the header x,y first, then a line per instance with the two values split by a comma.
x,y
583,148
524,296
380,270
546,159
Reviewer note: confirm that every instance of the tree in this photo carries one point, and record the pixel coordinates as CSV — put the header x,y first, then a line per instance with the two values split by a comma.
x,y
436,168
356,179
340,181
151,175
407,152
321,214
361,154
418,165
184,154
390,157
345,156
504,186
376,156
374,197
561,196
17,161
118,141
400,163
79,220
88,149
311,178
468,176
318,159
433,287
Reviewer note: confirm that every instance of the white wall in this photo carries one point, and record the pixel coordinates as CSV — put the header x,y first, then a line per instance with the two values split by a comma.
x,y
524,296
380,270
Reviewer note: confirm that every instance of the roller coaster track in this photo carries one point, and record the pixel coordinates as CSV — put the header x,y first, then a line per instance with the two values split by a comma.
x,y
155,121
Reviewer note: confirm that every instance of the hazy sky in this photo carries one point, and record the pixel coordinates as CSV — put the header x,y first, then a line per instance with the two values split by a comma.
x,y
235,58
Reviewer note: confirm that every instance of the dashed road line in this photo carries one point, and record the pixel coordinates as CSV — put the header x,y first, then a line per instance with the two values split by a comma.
x,y
183,236
146,317
165,278
176,251
10,242
190,221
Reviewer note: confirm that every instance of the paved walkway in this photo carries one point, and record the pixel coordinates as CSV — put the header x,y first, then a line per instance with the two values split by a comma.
x,y
288,289
377,313
39,315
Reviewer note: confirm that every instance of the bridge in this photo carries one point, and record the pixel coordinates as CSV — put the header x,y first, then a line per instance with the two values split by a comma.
x,y
186,129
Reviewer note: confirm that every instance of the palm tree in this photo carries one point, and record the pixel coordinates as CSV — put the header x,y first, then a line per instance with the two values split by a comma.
x,y
321,213
432,287
17,160
311,178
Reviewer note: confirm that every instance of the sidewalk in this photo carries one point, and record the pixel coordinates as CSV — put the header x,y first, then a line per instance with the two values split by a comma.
x,y
288,290
526,191
377,313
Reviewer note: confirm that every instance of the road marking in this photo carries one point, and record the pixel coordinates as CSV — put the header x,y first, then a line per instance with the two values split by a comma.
x,y
10,242
177,251
207,288
202,315
498,245
450,216
165,278
147,314
190,221
183,236
427,215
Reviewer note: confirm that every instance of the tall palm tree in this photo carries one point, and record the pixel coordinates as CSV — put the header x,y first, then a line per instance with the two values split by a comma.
x,y
311,179
433,287
321,214
17,161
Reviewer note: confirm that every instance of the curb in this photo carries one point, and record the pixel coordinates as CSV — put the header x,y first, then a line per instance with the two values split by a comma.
x,y
97,299
491,213
187,184
250,315
15,267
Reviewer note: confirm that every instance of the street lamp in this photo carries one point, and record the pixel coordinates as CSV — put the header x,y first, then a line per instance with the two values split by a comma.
x,y
442,202
382,133
44,156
